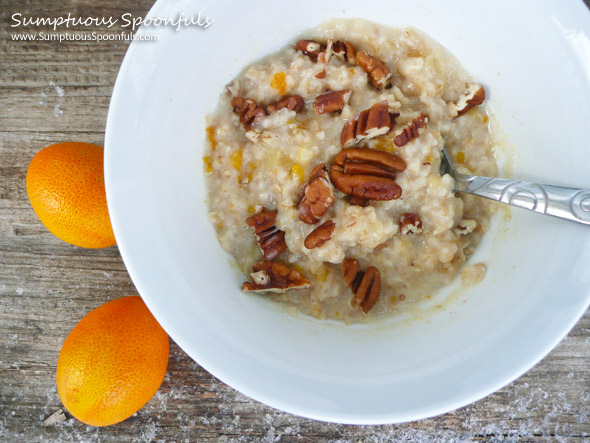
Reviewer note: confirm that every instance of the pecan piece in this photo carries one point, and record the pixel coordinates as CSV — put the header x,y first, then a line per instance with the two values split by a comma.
x,y
375,177
310,48
320,235
465,226
379,74
248,110
345,50
410,223
350,267
292,102
321,74
472,97
326,53
317,196
331,101
357,201
411,131
270,238
274,277
370,123
365,285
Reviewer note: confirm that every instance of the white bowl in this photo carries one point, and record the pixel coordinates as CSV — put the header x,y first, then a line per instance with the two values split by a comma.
x,y
534,58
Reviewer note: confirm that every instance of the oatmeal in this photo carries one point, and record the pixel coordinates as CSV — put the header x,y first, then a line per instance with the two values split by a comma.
x,y
323,171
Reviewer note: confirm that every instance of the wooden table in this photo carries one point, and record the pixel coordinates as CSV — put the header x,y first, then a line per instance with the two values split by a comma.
x,y
54,92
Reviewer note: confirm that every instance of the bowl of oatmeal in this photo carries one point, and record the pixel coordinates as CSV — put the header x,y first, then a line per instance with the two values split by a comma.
x,y
277,200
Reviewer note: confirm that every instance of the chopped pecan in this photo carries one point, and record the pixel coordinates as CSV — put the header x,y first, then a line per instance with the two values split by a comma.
x,y
321,74
310,48
270,239
410,223
465,226
292,102
472,97
357,201
350,267
379,74
320,235
317,195
411,131
345,50
325,55
370,123
274,277
260,277
248,110
365,285
331,101
375,180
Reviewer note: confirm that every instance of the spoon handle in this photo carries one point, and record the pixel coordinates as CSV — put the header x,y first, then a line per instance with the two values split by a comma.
x,y
569,203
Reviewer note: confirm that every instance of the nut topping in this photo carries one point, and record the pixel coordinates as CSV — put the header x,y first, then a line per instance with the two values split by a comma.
x,y
370,123
472,97
410,223
344,50
317,196
248,110
325,55
260,277
310,48
465,226
357,201
411,131
320,235
379,74
321,74
270,239
365,285
292,102
278,277
331,101
372,175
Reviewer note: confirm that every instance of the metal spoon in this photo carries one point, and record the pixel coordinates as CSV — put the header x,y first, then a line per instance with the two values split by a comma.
x,y
558,201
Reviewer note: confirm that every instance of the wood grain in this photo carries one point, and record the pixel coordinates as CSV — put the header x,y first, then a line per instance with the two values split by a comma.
x,y
47,286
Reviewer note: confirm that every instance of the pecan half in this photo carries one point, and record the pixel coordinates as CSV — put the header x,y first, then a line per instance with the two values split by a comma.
x,y
317,195
292,102
375,177
370,123
472,97
270,238
411,131
248,110
310,48
320,235
365,285
410,223
331,101
379,74
274,277
345,50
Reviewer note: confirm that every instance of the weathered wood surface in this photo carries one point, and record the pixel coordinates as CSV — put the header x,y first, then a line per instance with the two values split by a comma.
x,y
47,286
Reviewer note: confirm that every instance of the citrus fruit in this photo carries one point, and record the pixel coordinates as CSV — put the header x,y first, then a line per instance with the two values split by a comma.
x,y
112,362
65,183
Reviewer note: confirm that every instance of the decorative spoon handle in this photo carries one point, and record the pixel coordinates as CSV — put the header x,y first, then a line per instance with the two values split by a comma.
x,y
569,203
